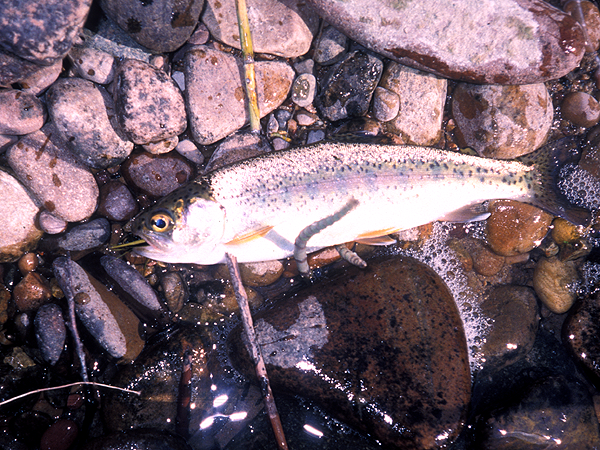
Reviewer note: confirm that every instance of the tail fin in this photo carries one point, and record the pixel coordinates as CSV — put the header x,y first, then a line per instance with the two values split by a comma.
x,y
548,161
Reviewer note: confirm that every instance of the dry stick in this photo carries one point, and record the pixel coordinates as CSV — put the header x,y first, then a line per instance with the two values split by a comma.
x,y
254,350
249,75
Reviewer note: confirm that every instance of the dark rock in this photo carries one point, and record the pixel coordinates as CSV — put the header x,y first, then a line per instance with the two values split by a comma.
x,y
117,202
157,175
381,349
86,236
581,108
162,26
60,435
331,46
520,42
50,332
31,292
139,440
580,333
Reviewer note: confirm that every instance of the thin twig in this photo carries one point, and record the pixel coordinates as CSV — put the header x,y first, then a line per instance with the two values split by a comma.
x,y
78,383
72,322
254,350
249,74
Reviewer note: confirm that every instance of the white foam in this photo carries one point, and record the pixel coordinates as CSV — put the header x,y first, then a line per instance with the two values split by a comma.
x,y
579,186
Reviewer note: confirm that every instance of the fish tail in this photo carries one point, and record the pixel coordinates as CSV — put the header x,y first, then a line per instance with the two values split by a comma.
x,y
545,192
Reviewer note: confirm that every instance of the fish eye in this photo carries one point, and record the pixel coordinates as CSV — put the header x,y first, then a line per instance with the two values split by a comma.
x,y
161,222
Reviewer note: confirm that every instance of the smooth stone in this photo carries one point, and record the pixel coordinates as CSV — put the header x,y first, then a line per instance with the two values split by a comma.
x,y
381,349
65,187
580,334
283,28
20,112
117,202
149,104
237,147
515,316
83,115
581,109
44,33
86,236
215,97
108,320
514,228
511,42
162,26
552,411
174,291
189,151
160,147
502,121
331,46
421,105
19,210
13,69
157,175
306,118
386,104
138,440
485,261
40,80
93,64
50,332
591,19
51,224
348,88
7,141
304,89
553,280
31,292
28,263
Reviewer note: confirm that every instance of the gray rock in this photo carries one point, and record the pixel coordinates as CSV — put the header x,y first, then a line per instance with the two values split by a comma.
x,y
215,97
83,116
162,26
189,151
502,121
283,28
86,236
64,186
348,89
304,89
41,33
50,332
20,112
51,224
489,41
386,104
116,202
93,64
19,233
422,99
237,147
149,104
331,46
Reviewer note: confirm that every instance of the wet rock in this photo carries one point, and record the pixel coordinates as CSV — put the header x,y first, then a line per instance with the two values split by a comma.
x,y
139,440
31,292
28,263
131,281
369,342
149,104
331,46
86,236
552,411
215,97
304,89
50,332
349,86
237,147
514,313
40,80
422,99
591,17
20,112
160,147
19,233
157,175
60,435
514,228
282,28
117,202
554,281
107,319
451,40
580,334
174,291
83,116
93,64
189,151
43,34
256,274
65,187
159,26
581,108
485,262
51,224
386,104
502,121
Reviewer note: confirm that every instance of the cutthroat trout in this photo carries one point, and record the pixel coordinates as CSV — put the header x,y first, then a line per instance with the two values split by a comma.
x,y
255,209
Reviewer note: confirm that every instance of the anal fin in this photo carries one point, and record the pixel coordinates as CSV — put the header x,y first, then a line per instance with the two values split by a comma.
x,y
250,236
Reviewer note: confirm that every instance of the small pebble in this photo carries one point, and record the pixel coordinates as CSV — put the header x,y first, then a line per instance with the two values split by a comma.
x,y
304,89
20,112
485,262
174,291
581,108
31,292
50,332
564,232
331,46
116,202
28,263
189,151
305,118
86,236
554,281
160,147
51,224
591,19
386,104
304,66
93,64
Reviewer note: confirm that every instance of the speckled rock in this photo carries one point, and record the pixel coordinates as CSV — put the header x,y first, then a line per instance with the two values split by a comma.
x,y
31,292
369,342
237,147
515,228
19,210
7,141
157,175
160,147
83,115
64,186
502,121
553,281
331,46
283,28
40,80
304,89
116,202
421,106
215,97
50,332
20,112
149,104
348,88
451,39
580,334
161,26
41,33
93,64
581,108
386,104
86,236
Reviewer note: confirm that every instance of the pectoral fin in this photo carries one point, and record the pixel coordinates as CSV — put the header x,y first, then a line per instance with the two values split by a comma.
x,y
468,213
377,237
250,236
